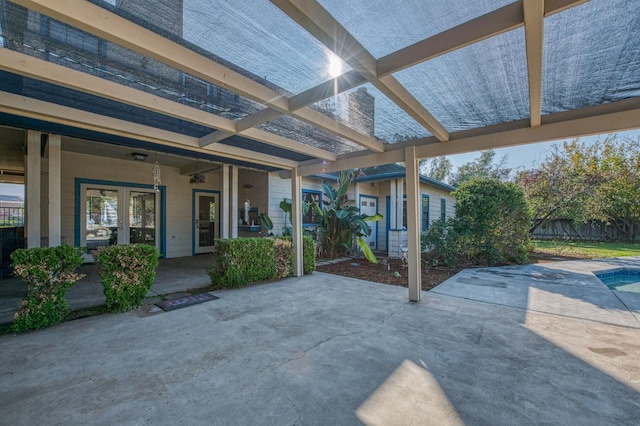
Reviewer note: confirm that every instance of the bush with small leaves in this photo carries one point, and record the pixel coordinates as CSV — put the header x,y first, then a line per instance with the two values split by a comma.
x,y
441,245
282,257
242,261
127,272
492,219
48,272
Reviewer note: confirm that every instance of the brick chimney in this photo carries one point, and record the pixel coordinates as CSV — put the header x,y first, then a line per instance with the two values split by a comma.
x,y
362,111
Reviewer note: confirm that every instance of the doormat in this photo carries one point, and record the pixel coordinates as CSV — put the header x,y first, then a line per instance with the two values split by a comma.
x,y
181,302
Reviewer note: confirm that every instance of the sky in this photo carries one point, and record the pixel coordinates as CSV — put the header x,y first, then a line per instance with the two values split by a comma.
x,y
518,157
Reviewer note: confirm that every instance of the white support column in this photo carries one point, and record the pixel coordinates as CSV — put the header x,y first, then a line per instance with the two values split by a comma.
x,y
55,206
226,196
400,204
393,198
413,227
234,202
296,219
33,189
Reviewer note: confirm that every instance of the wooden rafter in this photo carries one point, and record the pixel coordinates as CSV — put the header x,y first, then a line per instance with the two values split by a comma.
x,y
533,31
615,116
33,108
22,64
315,19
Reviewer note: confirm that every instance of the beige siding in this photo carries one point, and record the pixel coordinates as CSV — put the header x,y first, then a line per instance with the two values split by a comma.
x,y
178,194
435,194
279,189
264,190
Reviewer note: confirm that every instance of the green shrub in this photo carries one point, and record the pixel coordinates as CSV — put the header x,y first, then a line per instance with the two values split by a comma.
x,y
308,254
127,272
490,227
492,219
283,257
48,272
242,261
441,245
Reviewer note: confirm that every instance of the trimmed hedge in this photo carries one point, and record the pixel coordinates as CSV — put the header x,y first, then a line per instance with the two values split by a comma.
x,y
308,254
48,272
242,261
127,272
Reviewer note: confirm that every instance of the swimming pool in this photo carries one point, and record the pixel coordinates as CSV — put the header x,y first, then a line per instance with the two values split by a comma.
x,y
625,279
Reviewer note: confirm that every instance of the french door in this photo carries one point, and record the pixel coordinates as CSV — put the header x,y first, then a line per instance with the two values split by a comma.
x,y
205,221
118,215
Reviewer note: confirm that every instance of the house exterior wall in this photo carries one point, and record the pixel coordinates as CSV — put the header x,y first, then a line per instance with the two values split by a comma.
x,y
179,194
388,240
264,190
279,189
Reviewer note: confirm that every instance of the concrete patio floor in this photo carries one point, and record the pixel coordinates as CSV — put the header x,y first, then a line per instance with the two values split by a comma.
x,y
537,344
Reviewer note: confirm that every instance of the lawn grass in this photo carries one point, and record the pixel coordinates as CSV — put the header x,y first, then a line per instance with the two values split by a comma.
x,y
586,249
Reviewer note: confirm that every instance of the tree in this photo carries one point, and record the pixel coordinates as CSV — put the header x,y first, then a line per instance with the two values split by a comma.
x,y
615,200
438,168
562,185
583,182
482,167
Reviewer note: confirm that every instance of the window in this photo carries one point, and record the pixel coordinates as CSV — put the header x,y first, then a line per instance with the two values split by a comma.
x,y
425,212
309,197
443,209
404,213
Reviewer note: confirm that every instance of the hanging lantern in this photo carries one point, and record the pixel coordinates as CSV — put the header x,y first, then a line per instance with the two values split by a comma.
x,y
156,176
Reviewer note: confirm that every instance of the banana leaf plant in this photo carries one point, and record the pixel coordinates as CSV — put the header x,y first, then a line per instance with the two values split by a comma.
x,y
341,222
266,223
287,206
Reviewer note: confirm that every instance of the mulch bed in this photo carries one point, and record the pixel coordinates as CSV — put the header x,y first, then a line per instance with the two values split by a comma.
x,y
385,271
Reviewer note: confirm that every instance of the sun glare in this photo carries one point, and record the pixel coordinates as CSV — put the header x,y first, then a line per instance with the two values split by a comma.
x,y
335,65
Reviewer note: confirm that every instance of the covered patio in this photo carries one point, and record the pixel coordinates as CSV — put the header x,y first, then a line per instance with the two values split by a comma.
x,y
286,86
535,344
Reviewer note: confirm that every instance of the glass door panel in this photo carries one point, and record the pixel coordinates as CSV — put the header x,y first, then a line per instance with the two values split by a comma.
x,y
102,218
118,215
206,205
142,217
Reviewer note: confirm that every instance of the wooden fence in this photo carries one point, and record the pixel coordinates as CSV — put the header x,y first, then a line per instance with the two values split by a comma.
x,y
568,230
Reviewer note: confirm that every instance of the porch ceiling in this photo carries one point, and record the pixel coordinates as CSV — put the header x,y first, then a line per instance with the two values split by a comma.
x,y
320,85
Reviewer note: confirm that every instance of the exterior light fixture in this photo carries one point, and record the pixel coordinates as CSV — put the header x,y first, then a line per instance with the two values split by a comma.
x,y
138,156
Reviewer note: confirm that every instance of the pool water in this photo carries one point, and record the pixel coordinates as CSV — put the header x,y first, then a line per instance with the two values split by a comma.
x,y
621,279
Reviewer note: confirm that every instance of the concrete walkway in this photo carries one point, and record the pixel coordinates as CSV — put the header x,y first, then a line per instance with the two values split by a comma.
x,y
499,346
